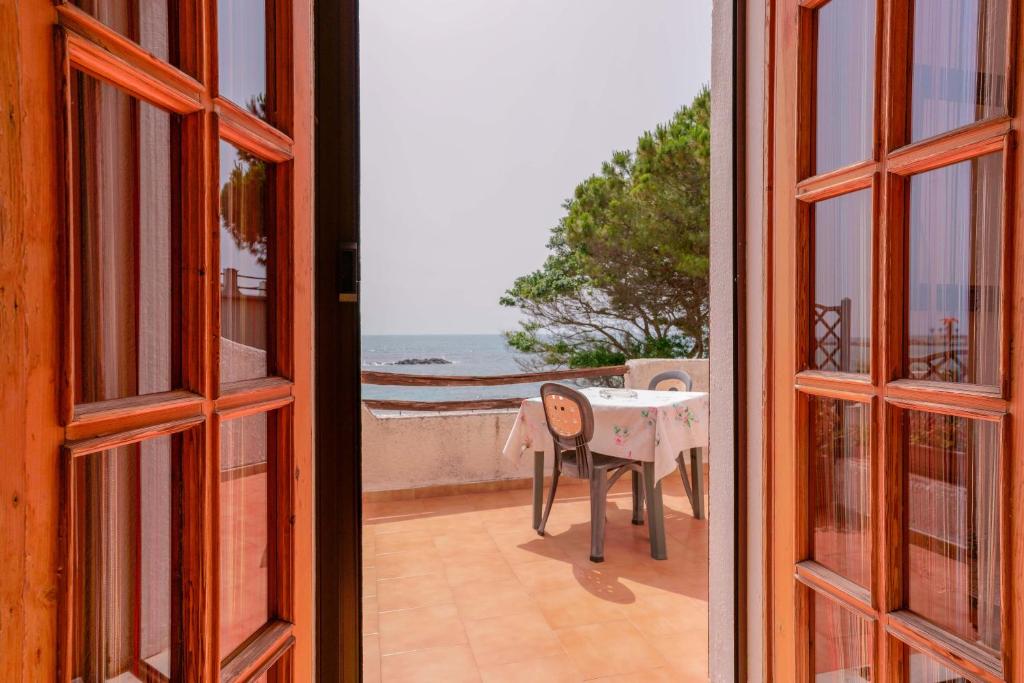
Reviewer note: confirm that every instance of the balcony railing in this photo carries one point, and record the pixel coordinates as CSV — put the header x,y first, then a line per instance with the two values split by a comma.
x,y
407,380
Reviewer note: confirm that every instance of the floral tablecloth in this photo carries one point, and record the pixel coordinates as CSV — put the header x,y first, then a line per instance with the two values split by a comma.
x,y
652,426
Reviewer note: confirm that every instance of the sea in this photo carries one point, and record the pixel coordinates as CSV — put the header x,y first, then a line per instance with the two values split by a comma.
x,y
468,354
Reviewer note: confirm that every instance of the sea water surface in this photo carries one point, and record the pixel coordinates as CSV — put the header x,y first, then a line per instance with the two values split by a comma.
x,y
469,354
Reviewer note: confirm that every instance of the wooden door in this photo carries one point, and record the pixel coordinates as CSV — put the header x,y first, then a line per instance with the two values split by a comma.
x,y
164,352
895,305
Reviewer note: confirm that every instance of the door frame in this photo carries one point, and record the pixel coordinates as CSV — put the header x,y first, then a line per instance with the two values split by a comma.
x,y
338,404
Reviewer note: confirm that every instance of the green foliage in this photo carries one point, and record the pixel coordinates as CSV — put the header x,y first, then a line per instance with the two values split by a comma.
x,y
627,276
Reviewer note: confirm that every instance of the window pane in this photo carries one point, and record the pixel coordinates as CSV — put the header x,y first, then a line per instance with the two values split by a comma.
x,y
123,537
242,48
840,474
959,73
924,669
150,23
842,283
842,643
244,537
244,257
955,244
126,284
953,552
844,117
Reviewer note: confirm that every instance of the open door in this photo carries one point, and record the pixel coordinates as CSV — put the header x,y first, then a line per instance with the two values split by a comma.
x,y
160,393
896,401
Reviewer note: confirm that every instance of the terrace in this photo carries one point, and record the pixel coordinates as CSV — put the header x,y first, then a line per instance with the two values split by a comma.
x,y
458,586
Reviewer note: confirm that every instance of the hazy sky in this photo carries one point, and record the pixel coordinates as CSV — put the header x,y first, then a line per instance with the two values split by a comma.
x,y
479,118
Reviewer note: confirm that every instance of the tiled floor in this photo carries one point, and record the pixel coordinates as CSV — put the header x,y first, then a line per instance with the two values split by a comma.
x,y
462,589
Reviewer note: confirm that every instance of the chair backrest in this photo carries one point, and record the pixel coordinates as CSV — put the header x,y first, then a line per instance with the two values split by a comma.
x,y
570,420
671,380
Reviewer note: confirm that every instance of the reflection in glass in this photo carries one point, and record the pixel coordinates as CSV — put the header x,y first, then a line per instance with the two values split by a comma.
x,y
955,241
244,538
244,257
126,284
842,643
844,114
953,548
150,23
840,476
924,669
959,73
242,53
123,536
842,283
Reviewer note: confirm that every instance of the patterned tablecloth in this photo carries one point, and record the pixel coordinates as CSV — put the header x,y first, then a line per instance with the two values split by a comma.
x,y
653,426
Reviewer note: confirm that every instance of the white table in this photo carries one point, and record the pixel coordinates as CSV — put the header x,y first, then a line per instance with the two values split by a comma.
x,y
652,427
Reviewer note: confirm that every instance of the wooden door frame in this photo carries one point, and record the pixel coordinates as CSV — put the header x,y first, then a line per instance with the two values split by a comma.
x,y
784,346
337,347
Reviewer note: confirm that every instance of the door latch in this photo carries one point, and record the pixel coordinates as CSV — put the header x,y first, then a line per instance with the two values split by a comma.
x,y
347,272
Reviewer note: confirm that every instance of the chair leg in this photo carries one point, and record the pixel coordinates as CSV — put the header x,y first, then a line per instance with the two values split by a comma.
x,y
638,498
697,474
655,513
598,497
682,475
538,487
551,500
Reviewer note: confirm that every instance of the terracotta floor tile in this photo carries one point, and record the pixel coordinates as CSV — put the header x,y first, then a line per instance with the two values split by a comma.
x,y
465,543
369,581
490,598
512,638
483,567
687,655
443,665
545,575
405,564
576,606
418,629
404,542
371,659
412,591
371,625
524,545
557,669
613,647
662,674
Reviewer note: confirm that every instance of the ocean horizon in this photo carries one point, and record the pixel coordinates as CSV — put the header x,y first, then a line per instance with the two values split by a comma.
x,y
466,354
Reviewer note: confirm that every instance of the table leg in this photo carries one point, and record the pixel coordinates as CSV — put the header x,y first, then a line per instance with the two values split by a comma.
x,y
697,474
655,513
538,486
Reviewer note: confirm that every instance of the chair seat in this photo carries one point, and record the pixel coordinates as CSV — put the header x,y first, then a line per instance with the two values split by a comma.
x,y
600,462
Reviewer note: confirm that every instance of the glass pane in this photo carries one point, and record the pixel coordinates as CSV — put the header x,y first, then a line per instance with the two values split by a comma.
x,y
844,114
244,257
953,551
959,73
244,537
123,537
924,669
150,23
842,643
242,53
840,475
126,282
955,243
842,283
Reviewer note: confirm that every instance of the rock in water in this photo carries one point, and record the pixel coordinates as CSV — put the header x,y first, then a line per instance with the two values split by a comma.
x,y
423,361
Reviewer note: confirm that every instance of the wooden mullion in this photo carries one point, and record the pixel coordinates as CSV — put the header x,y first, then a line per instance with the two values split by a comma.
x,y
106,442
947,393
254,408
267,646
244,129
92,419
281,513
951,409
281,296
840,181
958,145
250,391
822,580
856,393
954,653
156,83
